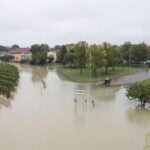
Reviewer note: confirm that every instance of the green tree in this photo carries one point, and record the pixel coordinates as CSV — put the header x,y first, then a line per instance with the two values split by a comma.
x,y
115,56
96,56
39,53
15,46
107,49
62,53
140,91
80,52
140,53
70,59
126,51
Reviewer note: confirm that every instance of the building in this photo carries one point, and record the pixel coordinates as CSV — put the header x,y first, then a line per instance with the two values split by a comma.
x,y
54,54
21,54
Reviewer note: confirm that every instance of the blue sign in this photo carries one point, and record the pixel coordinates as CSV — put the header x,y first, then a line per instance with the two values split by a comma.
x,y
75,100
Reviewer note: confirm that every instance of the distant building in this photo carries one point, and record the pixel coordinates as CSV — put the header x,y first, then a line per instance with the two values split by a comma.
x,y
21,54
53,53
3,53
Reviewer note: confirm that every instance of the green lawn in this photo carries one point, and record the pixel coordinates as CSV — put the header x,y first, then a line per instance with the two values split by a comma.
x,y
73,74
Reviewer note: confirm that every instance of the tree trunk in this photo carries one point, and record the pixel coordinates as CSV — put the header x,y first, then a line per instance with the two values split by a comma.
x,y
94,71
141,104
106,70
64,64
80,70
113,68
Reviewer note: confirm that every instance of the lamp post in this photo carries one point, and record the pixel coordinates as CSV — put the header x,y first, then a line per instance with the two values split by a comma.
x,y
130,56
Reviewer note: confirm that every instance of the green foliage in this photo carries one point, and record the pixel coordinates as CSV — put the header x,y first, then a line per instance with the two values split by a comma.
x,y
62,54
140,91
9,76
96,57
139,53
15,46
70,59
80,52
135,53
113,55
39,53
125,49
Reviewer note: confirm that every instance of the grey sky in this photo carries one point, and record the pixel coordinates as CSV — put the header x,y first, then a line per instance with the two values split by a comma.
x,y
26,22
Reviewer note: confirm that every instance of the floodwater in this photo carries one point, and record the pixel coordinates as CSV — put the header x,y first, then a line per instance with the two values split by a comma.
x,y
42,116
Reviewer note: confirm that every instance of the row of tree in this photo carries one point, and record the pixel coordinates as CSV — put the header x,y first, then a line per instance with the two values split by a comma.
x,y
103,55
95,56
6,48
9,76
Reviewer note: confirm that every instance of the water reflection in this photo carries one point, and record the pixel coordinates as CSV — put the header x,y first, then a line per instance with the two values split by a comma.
x,y
52,120
139,117
147,141
39,73
5,102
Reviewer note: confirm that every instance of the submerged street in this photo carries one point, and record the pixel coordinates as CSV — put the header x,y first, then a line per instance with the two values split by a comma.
x,y
46,118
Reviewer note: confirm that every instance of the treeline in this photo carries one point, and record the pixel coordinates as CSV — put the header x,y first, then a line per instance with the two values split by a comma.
x,y
9,76
6,48
95,56
103,55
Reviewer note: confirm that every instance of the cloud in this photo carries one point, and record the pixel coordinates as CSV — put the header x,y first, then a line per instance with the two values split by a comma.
x,y
66,21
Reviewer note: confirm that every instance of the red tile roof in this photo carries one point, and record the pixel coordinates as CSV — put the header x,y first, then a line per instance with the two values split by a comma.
x,y
20,50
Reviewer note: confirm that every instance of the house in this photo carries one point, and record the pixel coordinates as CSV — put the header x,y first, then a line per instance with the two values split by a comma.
x,y
21,54
53,53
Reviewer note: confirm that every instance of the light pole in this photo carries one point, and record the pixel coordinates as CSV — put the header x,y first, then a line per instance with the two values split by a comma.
x,y
90,64
130,56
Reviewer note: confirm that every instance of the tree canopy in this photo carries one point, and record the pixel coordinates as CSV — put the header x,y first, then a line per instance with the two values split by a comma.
x,y
140,91
15,46
9,76
39,53
80,52
96,56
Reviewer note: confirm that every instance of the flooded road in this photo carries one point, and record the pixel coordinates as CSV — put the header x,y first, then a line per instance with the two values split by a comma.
x,y
45,117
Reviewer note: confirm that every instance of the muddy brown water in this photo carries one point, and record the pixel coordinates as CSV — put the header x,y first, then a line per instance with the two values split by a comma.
x,y
46,118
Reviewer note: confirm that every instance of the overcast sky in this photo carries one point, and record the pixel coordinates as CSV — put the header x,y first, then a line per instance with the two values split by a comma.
x,y
27,22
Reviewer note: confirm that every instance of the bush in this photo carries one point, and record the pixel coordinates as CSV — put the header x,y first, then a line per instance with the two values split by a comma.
x,y
140,91
9,76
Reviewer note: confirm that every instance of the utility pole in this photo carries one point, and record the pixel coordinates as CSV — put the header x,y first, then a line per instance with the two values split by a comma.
x,y
90,64
130,56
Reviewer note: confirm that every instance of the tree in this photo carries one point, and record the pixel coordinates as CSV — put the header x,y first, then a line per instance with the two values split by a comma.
x,y
44,47
9,76
140,53
140,91
135,53
39,53
115,56
70,59
15,46
106,47
80,52
126,52
62,53
96,56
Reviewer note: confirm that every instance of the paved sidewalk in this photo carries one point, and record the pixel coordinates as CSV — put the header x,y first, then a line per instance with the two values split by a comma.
x,y
129,79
